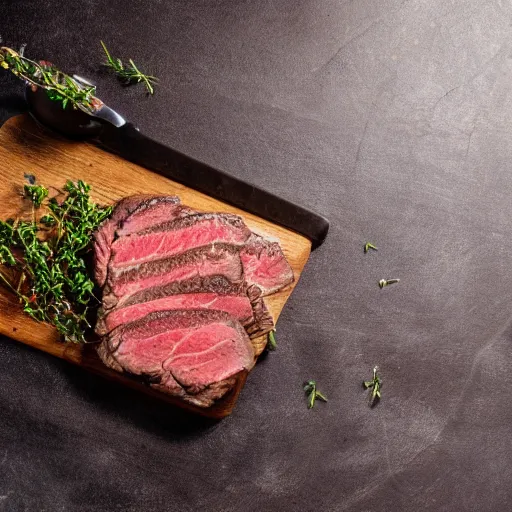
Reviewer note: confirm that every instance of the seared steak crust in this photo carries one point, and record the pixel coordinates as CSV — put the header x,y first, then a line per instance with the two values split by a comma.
x,y
195,355
183,292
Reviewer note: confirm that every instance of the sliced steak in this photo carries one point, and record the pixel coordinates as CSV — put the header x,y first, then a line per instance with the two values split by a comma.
x,y
151,212
265,265
178,236
212,292
147,210
214,259
195,355
104,235
179,288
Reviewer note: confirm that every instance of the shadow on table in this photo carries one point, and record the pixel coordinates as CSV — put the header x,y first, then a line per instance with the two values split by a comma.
x,y
151,414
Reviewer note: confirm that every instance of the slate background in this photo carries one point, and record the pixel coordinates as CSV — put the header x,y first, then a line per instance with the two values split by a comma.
x,y
393,119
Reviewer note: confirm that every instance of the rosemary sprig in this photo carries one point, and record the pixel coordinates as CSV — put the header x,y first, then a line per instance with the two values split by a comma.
x,y
48,274
374,385
129,74
312,393
58,85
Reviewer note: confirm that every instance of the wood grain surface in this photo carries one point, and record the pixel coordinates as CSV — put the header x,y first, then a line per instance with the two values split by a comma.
x,y
25,147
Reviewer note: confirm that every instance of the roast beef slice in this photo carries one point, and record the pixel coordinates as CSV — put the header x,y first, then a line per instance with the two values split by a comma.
x,y
178,236
265,265
214,259
212,292
104,235
195,355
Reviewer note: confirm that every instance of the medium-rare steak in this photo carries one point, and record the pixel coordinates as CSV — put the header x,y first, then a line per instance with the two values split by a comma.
x,y
212,292
147,211
104,235
178,236
214,259
265,265
191,354
183,292
151,212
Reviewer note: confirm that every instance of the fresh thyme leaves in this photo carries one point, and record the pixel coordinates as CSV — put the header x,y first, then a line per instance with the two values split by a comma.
x,y
48,273
129,74
48,220
369,246
58,85
313,393
386,282
374,385
272,343
36,193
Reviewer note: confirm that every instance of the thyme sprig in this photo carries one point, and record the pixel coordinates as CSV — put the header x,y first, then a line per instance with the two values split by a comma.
x,y
36,194
374,385
43,262
58,85
313,393
130,73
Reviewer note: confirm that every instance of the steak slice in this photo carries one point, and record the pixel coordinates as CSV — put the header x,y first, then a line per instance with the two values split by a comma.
x,y
151,212
214,259
195,355
148,210
212,292
265,265
104,235
178,236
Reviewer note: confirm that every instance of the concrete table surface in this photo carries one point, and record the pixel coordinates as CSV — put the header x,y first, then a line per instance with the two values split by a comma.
x,y
393,118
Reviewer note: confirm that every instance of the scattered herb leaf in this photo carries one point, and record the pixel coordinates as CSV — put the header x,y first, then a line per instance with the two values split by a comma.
x,y
48,273
369,246
129,74
386,282
271,340
58,85
313,393
374,385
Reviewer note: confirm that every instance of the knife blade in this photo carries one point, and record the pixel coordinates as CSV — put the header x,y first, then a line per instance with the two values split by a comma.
x,y
127,142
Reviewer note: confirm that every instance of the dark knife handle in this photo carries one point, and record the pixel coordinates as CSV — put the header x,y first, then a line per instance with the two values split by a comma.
x,y
132,145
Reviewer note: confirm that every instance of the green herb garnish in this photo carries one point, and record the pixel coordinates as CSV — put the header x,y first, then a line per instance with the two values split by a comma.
x,y
374,386
36,193
48,273
313,393
129,74
271,340
58,85
386,282
369,246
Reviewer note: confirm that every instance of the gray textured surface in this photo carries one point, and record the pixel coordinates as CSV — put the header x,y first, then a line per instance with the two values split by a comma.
x,y
392,118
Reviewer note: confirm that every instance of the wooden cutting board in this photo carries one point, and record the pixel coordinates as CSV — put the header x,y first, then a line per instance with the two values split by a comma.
x,y
25,147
